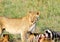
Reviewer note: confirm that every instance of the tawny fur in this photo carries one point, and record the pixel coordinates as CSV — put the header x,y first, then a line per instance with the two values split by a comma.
x,y
41,38
5,38
19,25
33,37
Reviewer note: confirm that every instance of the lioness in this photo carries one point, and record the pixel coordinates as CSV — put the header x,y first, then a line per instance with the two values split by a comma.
x,y
44,39
19,25
5,38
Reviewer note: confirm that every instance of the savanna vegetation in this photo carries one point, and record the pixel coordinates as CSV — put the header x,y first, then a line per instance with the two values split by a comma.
x,y
49,9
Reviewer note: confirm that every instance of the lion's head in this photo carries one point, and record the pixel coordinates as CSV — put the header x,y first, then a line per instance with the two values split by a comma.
x,y
33,16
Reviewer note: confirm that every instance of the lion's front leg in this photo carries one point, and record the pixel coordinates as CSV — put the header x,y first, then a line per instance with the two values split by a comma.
x,y
0,31
23,37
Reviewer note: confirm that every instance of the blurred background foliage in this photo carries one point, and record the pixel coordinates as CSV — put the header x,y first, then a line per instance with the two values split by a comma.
x,y
49,9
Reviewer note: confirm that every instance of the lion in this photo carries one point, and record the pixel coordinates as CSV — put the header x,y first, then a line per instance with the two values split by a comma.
x,y
39,37
43,39
5,38
33,37
19,25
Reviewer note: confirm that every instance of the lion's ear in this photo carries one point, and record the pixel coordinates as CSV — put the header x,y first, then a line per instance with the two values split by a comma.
x,y
29,14
38,13
30,11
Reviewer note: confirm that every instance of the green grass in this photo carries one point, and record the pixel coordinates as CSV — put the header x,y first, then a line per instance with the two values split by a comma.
x,y
50,11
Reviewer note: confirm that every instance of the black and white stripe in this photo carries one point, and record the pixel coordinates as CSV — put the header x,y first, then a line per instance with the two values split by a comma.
x,y
52,34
